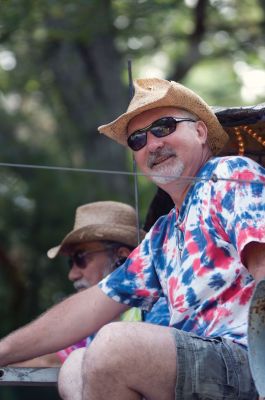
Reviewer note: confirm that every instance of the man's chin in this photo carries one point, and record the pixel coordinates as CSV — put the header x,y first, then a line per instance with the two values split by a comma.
x,y
163,174
161,180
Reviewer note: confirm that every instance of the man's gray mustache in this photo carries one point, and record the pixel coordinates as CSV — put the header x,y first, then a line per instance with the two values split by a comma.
x,y
154,157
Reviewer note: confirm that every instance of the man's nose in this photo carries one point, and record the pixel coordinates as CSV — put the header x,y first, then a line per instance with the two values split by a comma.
x,y
153,143
75,273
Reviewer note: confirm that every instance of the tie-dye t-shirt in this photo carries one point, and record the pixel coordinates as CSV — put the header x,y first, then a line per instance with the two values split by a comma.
x,y
159,314
192,256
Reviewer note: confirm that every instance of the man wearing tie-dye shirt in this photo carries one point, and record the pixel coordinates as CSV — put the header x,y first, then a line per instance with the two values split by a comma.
x,y
204,257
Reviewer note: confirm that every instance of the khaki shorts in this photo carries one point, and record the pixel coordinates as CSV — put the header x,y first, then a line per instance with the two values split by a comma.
x,y
212,369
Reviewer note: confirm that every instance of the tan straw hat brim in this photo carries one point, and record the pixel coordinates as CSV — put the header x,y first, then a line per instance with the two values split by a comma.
x,y
154,93
102,220
126,235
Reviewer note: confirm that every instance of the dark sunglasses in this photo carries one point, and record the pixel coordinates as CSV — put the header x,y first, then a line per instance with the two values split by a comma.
x,y
79,258
160,128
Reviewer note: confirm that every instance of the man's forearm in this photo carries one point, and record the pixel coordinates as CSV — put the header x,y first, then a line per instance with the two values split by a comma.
x,y
45,361
66,323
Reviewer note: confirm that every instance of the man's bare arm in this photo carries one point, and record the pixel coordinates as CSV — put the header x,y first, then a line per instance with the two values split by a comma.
x,y
45,361
64,324
254,259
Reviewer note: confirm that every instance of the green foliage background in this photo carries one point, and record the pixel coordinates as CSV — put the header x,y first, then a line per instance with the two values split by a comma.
x,y
63,72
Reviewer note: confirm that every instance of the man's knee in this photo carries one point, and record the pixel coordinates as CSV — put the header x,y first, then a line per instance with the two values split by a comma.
x,y
70,376
109,349
118,356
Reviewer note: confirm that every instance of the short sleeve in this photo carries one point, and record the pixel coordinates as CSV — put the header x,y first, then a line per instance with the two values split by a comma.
x,y
135,283
238,201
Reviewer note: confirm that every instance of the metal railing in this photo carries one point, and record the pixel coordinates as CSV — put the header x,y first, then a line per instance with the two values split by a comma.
x,y
20,376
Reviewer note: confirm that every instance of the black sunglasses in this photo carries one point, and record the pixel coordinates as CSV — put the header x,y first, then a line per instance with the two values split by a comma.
x,y
79,258
160,128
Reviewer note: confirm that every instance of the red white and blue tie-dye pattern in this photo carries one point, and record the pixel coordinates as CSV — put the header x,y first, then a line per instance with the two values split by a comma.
x,y
159,315
193,255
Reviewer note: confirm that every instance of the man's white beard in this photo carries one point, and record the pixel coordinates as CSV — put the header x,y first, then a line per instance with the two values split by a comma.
x,y
168,172
81,284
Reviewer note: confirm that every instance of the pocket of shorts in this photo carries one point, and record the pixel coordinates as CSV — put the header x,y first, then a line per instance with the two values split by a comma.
x,y
215,377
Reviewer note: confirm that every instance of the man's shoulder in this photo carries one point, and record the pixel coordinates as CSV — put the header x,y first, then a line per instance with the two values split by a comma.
x,y
231,164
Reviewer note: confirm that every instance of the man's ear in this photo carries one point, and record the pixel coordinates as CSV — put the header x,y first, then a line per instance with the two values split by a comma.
x,y
123,252
202,131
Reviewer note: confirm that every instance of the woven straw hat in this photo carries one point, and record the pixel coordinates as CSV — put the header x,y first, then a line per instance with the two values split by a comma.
x,y
154,93
102,220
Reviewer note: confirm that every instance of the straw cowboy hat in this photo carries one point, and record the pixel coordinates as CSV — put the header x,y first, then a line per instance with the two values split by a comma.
x,y
102,220
154,93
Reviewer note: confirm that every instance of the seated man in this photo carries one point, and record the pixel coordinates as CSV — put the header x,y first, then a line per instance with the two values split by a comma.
x,y
103,236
